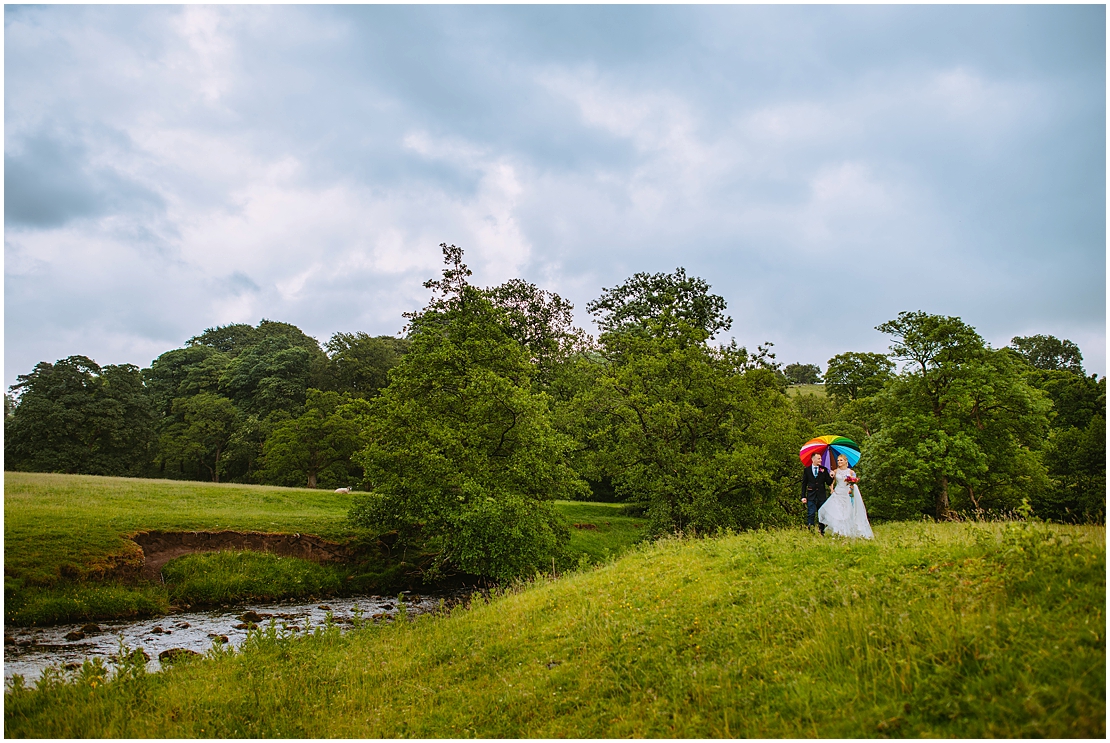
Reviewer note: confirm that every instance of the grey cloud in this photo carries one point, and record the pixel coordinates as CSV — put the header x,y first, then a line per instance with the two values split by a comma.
x,y
237,283
48,182
994,211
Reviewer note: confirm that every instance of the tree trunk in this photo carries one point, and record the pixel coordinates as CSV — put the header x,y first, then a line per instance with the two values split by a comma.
x,y
942,499
312,479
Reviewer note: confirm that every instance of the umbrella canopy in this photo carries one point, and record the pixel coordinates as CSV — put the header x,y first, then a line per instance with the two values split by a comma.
x,y
828,447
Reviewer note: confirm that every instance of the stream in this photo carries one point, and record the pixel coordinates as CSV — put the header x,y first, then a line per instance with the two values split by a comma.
x,y
28,651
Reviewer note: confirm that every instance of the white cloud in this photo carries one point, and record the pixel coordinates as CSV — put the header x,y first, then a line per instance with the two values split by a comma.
x,y
569,163
208,59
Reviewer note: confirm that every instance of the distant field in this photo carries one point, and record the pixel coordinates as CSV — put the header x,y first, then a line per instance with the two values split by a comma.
x,y
63,531
806,389
73,525
930,630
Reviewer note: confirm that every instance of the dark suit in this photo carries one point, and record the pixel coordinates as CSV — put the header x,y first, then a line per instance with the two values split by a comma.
x,y
815,492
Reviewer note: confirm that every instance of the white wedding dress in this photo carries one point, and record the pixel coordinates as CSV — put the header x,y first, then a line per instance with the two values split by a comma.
x,y
844,513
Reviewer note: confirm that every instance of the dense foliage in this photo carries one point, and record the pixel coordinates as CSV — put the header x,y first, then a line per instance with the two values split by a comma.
x,y
493,404
802,373
701,436
76,417
461,453
964,428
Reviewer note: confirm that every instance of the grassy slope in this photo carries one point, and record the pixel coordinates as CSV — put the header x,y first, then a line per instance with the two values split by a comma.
x,y
60,530
930,630
614,532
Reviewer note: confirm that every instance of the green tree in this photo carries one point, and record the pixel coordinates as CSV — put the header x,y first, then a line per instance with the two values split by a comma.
x,y
686,430
76,417
540,321
1076,459
1049,353
227,339
960,418
195,443
241,459
1076,398
316,447
660,304
184,372
1075,451
269,367
802,373
852,375
462,455
702,437
234,339
360,363
273,374
817,410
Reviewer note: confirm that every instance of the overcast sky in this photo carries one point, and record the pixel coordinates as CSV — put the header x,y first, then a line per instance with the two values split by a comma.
x,y
169,169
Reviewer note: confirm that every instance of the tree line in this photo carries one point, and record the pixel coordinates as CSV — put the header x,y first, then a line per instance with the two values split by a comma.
x,y
492,405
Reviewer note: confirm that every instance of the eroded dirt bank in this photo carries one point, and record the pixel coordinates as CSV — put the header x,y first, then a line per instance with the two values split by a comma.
x,y
159,547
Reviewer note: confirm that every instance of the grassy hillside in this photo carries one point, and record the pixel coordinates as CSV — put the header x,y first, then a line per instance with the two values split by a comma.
x,y
930,630
63,534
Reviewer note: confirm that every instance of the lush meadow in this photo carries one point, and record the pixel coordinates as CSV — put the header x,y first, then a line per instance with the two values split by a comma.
x,y
66,535
965,630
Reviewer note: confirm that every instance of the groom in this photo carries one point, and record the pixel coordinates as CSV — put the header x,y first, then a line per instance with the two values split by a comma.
x,y
815,490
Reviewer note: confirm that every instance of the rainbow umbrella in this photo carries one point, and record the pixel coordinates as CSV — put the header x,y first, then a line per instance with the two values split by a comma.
x,y
828,447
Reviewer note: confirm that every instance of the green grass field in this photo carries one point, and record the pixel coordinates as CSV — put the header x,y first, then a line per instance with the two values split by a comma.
x,y
955,630
63,534
805,389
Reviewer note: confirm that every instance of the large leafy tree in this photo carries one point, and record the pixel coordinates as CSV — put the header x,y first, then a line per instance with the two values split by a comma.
x,y
75,417
264,372
802,373
1075,452
1049,353
1076,460
316,447
852,375
661,304
236,338
702,437
195,442
542,322
360,363
269,367
462,454
690,433
274,374
1076,398
960,422
184,372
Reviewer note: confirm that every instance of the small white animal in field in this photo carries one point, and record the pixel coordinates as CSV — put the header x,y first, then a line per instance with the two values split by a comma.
x,y
342,490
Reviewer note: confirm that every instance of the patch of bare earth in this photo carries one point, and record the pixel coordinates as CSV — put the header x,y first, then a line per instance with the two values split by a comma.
x,y
159,547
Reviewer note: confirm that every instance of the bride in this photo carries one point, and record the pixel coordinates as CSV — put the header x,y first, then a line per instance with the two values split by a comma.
x,y
844,512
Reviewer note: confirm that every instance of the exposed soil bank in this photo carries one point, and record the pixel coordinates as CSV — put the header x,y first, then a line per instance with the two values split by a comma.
x,y
159,547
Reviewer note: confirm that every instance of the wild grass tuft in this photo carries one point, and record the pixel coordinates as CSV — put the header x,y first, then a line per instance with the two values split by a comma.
x,y
226,577
80,602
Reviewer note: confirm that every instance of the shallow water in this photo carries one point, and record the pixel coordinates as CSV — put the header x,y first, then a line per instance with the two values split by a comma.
x,y
28,651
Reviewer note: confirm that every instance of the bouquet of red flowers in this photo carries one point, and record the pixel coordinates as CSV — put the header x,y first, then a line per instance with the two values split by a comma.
x,y
851,479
